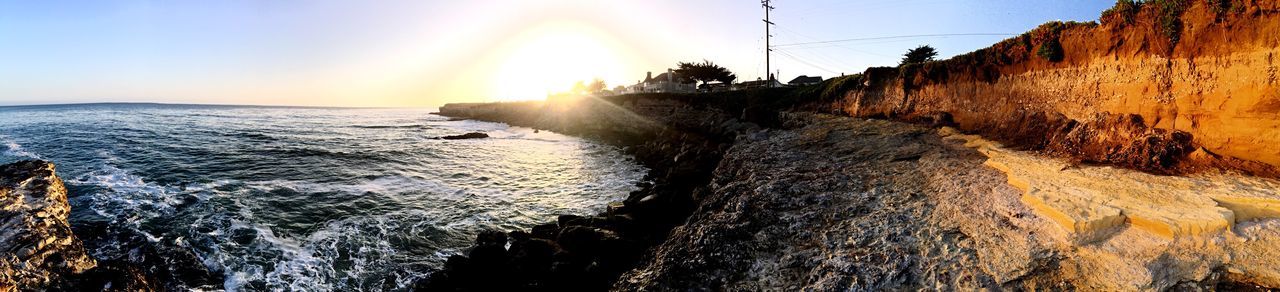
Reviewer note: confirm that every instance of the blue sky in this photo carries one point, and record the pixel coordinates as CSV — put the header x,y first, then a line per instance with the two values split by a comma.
x,y
425,52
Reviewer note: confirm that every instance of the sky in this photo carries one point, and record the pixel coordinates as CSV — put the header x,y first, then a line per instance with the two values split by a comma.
x,y
423,53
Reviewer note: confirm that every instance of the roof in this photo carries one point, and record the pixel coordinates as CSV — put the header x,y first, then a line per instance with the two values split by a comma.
x,y
805,79
663,77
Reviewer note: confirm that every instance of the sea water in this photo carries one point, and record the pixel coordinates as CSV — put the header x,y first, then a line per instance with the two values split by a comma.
x,y
280,198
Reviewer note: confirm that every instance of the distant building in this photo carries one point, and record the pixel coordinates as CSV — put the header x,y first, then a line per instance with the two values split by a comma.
x,y
805,80
669,82
714,87
759,83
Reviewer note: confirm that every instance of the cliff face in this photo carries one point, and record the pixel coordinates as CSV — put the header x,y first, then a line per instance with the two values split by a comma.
x,y
1164,86
37,247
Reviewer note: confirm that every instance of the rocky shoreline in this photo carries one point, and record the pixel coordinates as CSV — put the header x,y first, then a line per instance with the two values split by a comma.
x,y
587,253
40,251
822,202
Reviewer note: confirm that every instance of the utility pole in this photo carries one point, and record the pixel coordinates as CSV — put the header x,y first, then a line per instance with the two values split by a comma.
x,y
768,79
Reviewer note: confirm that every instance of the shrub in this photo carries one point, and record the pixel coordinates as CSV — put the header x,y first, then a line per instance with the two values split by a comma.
x,y
1170,18
1220,8
1124,9
1051,50
835,88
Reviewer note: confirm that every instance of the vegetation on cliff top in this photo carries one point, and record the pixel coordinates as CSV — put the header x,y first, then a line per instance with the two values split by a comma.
x,y
1167,14
921,54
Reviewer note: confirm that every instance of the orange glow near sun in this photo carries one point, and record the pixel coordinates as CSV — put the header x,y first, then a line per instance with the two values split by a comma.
x,y
551,57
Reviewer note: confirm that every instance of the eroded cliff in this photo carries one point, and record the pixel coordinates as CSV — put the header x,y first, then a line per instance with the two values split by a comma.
x,y
1171,86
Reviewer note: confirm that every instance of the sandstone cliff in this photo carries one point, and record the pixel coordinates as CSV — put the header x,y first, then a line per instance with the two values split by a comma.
x,y
1169,86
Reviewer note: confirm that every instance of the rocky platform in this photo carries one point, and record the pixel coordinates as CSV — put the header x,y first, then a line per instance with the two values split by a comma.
x,y
844,204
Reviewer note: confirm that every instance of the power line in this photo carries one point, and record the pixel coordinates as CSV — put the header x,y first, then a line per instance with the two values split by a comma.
x,y
767,47
798,59
792,31
895,37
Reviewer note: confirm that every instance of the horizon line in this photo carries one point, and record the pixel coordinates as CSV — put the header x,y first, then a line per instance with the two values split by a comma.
x,y
2,106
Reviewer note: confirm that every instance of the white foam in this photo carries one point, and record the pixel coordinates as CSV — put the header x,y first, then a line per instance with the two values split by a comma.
x,y
15,150
308,264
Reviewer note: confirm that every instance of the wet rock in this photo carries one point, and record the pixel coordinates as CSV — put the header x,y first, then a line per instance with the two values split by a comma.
x,y
545,231
37,248
472,135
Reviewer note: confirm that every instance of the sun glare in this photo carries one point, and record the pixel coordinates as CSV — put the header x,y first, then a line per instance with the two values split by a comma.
x,y
551,57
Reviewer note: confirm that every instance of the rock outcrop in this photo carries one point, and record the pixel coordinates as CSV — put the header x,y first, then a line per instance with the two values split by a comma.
x,y
37,248
472,135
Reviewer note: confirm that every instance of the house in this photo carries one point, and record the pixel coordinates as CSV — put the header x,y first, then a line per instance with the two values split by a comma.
x,y
669,82
714,87
805,80
759,83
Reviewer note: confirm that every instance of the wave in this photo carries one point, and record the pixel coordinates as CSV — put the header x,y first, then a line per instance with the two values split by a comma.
x,y
15,150
391,184
253,136
364,253
313,152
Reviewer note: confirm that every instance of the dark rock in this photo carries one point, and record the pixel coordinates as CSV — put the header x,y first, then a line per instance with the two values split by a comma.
x,y
584,239
570,220
546,231
119,276
491,238
472,135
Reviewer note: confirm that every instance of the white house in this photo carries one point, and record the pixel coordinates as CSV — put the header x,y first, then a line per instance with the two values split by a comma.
x,y
669,82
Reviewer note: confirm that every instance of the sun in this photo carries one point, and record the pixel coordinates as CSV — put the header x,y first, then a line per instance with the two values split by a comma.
x,y
551,57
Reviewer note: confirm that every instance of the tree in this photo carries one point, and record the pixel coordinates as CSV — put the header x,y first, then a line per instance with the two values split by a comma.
x,y
596,85
705,72
920,54
579,87
727,78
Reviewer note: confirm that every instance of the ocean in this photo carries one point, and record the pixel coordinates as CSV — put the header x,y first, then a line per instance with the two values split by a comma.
x,y
281,198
